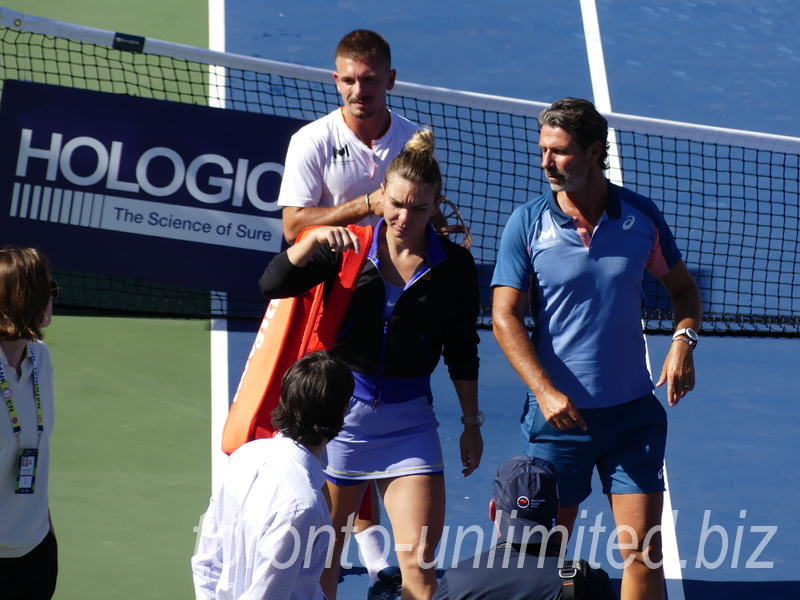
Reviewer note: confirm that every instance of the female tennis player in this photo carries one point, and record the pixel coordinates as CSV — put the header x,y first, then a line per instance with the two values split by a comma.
x,y
28,552
416,300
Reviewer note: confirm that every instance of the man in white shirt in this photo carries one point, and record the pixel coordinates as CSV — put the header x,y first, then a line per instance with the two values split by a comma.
x,y
332,176
335,165
267,531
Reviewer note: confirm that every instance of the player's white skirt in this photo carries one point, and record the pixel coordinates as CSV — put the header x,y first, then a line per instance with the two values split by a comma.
x,y
387,440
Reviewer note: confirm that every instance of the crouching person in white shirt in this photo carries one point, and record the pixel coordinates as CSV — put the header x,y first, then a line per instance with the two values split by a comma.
x,y
267,530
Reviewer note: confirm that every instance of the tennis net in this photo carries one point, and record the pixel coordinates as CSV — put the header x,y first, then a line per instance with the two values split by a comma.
x,y
731,197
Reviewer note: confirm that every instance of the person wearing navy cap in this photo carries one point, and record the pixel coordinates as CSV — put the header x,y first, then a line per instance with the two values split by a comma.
x,y
526,564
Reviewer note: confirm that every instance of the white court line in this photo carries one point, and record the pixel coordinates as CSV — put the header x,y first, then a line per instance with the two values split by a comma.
x,y
219,327
602,100
216,41
673,565
219,397
216,25
597,72
594,50
220,394
673,575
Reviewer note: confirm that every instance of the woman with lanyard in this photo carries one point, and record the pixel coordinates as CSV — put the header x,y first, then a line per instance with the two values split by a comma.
x,y
416,299
28,552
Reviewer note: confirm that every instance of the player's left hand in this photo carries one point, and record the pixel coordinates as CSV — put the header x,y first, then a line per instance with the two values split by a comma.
x,y
471,444
678,372
339,239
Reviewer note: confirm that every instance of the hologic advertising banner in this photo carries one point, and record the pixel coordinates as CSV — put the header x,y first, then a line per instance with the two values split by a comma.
x,y
143,189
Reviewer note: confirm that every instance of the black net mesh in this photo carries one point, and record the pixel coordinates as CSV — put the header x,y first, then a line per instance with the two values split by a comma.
x,y
734,210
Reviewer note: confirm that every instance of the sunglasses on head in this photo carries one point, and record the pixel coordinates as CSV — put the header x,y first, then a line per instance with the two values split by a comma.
x,y
54,289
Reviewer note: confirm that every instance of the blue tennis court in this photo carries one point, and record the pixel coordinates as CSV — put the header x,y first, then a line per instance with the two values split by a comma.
x,y
732,66
726,458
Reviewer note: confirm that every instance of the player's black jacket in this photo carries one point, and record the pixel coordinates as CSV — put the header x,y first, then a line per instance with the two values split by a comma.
x,y
435,316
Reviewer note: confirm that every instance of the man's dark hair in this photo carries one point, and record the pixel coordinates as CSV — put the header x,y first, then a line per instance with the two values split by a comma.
x,y
580,117
314,395
362,44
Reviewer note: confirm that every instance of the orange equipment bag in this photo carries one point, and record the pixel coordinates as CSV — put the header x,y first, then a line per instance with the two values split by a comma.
x,y
292,327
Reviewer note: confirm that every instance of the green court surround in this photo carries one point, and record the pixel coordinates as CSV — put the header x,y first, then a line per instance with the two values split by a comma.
x,y
130,472
180,21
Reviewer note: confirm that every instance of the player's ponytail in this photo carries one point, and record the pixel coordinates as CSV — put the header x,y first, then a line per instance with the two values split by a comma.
x,y
417,163
421,141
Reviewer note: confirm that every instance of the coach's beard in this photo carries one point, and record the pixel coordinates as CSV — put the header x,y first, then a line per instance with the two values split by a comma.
x,y
566,183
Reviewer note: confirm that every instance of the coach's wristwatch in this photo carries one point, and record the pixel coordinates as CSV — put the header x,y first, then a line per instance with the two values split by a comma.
x,y
687,335
474,420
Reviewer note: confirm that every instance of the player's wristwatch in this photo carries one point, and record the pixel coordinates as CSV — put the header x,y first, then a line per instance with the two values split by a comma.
x,y
687,335
477,419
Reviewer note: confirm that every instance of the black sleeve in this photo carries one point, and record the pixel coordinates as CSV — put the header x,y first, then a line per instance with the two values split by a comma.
x,y
460,348
282,279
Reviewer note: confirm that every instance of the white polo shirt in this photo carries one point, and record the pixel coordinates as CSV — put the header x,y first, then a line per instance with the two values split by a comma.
x,y
327,165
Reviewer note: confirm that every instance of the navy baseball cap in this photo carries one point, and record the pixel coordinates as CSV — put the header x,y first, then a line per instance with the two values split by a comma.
x,y
525,490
